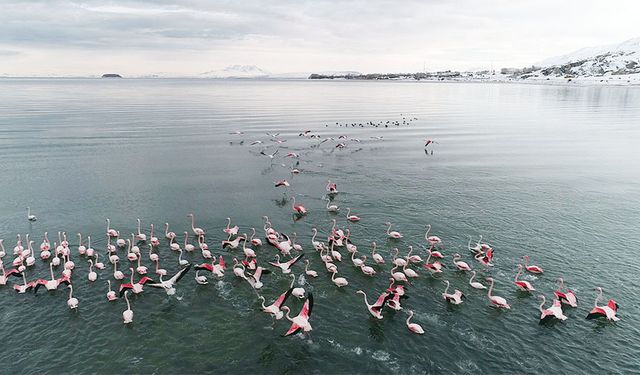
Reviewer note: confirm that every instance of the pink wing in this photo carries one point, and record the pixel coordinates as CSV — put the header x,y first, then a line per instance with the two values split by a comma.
x,y
222,263
613,305
294,328
307,307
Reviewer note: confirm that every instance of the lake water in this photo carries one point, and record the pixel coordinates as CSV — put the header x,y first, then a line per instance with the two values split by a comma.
x,y
549,171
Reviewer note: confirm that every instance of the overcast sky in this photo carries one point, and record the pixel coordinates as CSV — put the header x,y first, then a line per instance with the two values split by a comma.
x,y
193,36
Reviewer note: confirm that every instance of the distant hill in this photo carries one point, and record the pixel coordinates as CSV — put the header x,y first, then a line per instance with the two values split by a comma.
x,y
236,71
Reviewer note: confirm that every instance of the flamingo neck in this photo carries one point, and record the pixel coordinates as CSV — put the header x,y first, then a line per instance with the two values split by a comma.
x,y
473,275
595,304
490,289
447,289
542,304
518,274
263,300
127,299
410,316
389,228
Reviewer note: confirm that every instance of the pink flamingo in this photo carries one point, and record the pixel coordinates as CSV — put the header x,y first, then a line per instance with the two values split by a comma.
x,y
282,183
168,235
608,311
136,287
194,229
496,300
231,231
301,321
331,187
127,315
376,309
555,311
532,269
275,309
376,257
413,327
140,236
111,295
525,286
286,266
255,241
462,266
568,298
455,298
299,209
45,245
110,231
154,240
392,234
435,267
432,240
352,218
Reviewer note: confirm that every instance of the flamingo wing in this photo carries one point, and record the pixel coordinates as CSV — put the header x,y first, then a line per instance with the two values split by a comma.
x,y
222,263
205,266
381,300
307,307
180,274
596,312
145,280
283,298
124,288
294,260
613,305
294,329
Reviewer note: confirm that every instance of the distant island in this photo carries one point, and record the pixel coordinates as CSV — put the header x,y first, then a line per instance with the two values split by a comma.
x,y
111,75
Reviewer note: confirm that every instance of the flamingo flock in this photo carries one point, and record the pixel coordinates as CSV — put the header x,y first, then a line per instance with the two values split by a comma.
x,y
257,256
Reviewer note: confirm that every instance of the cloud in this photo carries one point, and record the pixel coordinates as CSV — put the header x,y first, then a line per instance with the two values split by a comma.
x,y
288,35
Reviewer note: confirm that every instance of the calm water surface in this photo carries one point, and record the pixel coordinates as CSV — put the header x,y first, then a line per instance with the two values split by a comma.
x,y
549,171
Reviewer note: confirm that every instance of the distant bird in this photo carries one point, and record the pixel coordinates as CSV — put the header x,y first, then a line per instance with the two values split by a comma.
x,y
429,141
270,156
255,143
169,285
281,183
29,216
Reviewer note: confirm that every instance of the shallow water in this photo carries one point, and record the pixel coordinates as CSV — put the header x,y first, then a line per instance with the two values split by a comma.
x,y
549,171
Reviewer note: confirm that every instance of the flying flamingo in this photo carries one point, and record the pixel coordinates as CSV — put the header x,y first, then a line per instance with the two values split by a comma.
x,y
568,298
413,327
475,284
275,308
455,298
525,286
376,257
394,234
136,287
608,311
376,309
496,300
127,315
196,231
301,321
532,269
555,311
232,244
72,302
169,285
286,266
462,266
299,209
352,218
140,236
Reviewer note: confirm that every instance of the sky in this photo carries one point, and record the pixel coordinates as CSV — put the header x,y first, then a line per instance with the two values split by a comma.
x,y
183,37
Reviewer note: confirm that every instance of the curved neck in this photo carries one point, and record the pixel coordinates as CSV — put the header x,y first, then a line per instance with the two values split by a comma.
x,y
126,298
410,316
389,228
193,222
364,295
287,315
542,304
263,300
490,288
426,235
447,289
518,274
598,298
473,275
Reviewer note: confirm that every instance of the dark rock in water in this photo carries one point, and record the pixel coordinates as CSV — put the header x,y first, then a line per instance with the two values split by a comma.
x,y
111,75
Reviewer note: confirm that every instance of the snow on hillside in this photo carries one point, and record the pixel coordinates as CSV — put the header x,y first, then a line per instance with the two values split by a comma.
x,y
237,71
628,47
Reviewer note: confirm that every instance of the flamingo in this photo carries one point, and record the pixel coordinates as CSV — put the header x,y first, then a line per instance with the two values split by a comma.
x,y
413,258
117,274
396,289
286,266
30,260
475,284
168,235
376,257
72,302
169,285
532,269
555,311
352,218
140,236
45,245
99,265
90,250
127,315
136,287
432,240
394,301
376,309
301,321
367,270
120,242
331,187
282,183
194,229
130,254
187,246
3,252
254,280
525,286
153,239
331,207
398,261
110,248
110,231
30,217
248,253
336,232
356,262
347,241
142,270
496,300
232,244
608,311
462,266
568,298
231,231
409,272
238,269
160,271
204,248
255,241
414,327
92,276
339,281
174,245
182,262
12,272
275,308
455,298
294,245
297,292
25,285
152,256
398,276
111,295
217,269
299,209
201,279
307,271
336,254
394,234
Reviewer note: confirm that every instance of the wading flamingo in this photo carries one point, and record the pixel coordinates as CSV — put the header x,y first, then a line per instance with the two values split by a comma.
x,y
608,311
496,300
413,327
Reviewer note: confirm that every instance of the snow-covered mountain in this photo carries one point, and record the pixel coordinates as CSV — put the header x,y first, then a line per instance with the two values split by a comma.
x,y
616,59
237,71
